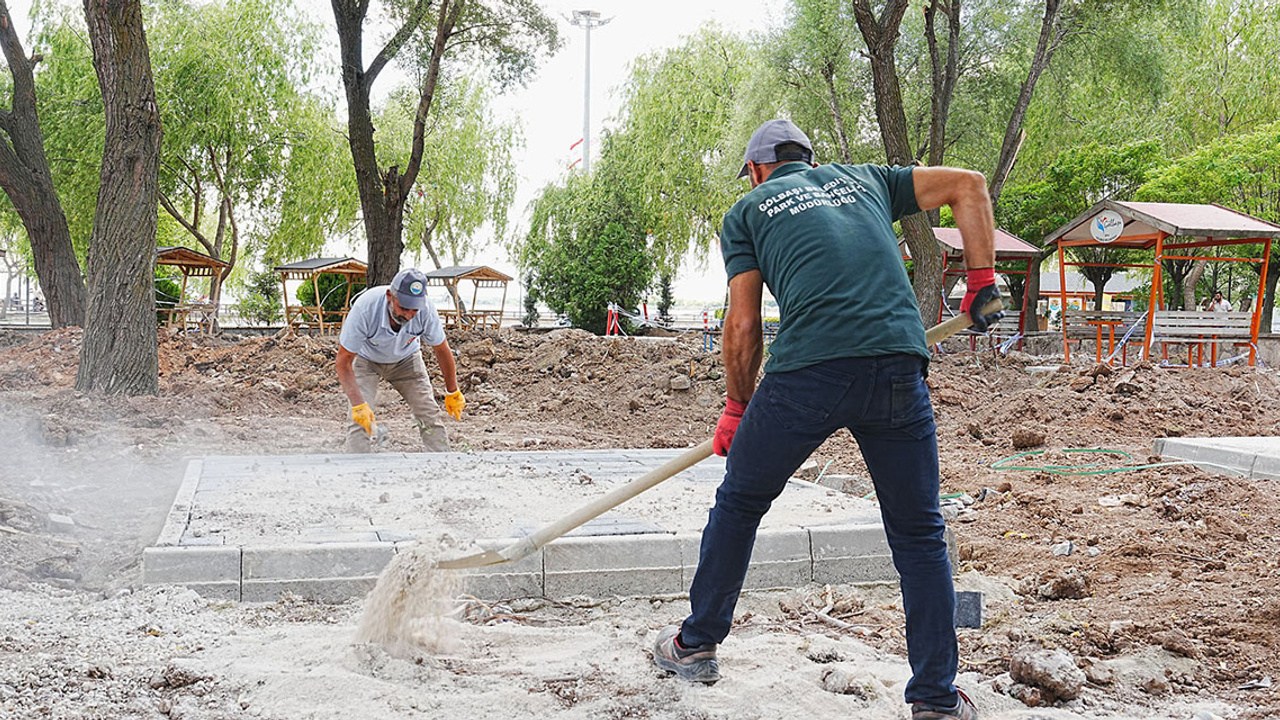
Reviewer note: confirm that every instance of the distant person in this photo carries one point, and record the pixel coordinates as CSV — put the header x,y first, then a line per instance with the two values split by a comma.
x,y
1218,304
382,340
850,355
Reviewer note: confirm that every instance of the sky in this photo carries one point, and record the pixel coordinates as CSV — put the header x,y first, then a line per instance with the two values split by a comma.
x,y
550,108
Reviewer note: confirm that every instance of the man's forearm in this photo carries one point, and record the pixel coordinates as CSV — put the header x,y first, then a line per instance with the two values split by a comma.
x,y
972,213
742,353
347,379
448,368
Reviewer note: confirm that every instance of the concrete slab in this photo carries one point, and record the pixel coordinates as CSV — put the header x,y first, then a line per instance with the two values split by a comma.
x,y
1255,457
323,527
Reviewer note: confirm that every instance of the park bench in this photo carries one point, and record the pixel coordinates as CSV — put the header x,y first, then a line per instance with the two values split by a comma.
x,y
1196,328
998,333
1106,326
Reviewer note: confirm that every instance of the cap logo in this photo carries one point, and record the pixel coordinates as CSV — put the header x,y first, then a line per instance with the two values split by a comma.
x,y
416,287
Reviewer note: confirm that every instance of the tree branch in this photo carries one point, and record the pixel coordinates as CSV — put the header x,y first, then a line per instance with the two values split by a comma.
x,y
450,12
398,40
169,207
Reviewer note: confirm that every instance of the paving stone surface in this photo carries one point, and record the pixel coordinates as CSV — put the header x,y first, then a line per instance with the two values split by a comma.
x,y
324,526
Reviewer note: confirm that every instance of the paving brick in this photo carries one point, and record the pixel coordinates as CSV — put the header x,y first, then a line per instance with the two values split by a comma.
x,y
1266,467
851,553
326,590
321,537
781,557
204,541
619,565
182,565
304,562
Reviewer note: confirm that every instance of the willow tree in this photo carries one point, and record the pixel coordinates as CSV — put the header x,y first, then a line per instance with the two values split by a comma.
x,y
468,178
506,36
242,136
119,352
27,180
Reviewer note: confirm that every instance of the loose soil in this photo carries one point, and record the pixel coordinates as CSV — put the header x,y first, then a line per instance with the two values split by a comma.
x,y
1169,596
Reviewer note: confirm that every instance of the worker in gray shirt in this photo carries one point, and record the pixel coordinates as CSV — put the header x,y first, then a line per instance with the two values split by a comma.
x,y
382,340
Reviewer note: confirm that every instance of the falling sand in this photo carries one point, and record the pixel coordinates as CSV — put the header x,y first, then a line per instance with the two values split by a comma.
x,y
407,612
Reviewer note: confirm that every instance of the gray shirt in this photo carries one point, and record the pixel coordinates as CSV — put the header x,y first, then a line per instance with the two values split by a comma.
x,y
367,331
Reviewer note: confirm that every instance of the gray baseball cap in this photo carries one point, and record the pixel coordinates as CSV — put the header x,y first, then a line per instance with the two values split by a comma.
x,y
763,146
410,287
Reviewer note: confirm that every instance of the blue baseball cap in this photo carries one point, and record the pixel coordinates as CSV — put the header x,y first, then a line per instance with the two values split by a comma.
x,y
762,148
410,287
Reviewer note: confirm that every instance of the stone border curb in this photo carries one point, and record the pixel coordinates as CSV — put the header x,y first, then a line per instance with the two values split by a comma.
x,y
175,524
617,565
1218,451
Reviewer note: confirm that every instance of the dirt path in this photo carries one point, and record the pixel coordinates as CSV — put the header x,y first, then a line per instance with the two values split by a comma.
x,y
1177,570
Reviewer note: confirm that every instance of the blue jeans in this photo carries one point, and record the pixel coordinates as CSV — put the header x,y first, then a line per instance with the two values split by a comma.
x,y
885,403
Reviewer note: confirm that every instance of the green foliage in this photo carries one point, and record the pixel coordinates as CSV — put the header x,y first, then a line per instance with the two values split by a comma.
x,y
238,127
674,154
586,249
333,294
260,301
665,298
168,294
468,176
530,318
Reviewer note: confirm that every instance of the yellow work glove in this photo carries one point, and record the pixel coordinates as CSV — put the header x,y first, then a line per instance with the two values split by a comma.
x,y
363,416
453,404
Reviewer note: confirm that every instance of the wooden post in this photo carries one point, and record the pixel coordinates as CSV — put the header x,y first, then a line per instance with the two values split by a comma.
x,y
475,291
284,297
502,309
315,284
1062,293
1257,312
1153,306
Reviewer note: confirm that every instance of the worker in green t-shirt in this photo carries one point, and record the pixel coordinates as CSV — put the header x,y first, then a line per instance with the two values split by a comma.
x,y
850,353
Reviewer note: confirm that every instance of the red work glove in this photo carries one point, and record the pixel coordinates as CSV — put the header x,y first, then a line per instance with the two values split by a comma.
x,y
727,426
981,289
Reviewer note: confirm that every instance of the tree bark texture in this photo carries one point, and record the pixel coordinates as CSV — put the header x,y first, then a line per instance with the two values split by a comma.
x,y
944,76
1193,278
1051,35
383,194
119,355
881,36
25,178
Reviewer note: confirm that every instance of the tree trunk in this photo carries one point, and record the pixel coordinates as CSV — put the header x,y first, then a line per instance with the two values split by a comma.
x,y
1033,280
1269,297
119,355
837,114
1193,278
944,82
1017,285
25,178
881,36
383,195
1050,36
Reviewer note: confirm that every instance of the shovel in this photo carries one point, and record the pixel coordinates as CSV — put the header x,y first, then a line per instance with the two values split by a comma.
x,y
530,544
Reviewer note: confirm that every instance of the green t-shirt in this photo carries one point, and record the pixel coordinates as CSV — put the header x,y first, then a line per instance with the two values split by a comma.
x,y
823,240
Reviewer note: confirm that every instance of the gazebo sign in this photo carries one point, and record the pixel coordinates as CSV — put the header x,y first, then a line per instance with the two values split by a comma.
x,y
1106,226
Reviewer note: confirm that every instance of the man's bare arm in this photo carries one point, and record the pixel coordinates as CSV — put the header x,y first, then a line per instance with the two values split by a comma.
x,y
743,347
444,356
965,191
347,376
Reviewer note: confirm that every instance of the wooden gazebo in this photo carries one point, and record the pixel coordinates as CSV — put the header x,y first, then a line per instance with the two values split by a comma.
x,y
481,276
180,313
1171,231
314,316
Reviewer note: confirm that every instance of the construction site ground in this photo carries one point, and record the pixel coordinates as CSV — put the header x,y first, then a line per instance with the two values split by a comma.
x,y
1168,596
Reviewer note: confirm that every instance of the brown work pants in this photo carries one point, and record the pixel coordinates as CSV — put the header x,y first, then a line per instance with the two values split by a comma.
x,y
409,378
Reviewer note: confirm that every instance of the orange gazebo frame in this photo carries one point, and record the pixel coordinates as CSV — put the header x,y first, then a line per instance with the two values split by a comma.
x,y
1174,231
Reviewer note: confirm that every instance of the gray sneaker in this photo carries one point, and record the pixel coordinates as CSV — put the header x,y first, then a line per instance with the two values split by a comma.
x,y
964,710
696,664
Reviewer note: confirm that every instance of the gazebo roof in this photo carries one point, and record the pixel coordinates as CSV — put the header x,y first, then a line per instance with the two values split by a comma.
x,y
1144,221
467,272
186,257
1008,247
319,266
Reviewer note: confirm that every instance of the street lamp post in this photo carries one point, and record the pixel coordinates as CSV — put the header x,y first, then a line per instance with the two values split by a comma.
x,y
587,20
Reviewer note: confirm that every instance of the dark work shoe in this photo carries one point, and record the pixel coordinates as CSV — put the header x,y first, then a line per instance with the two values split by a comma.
x,y
697,664
964,710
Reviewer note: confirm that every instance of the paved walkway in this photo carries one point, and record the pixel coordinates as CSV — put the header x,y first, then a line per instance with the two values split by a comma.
x,y
324,526
1255,457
